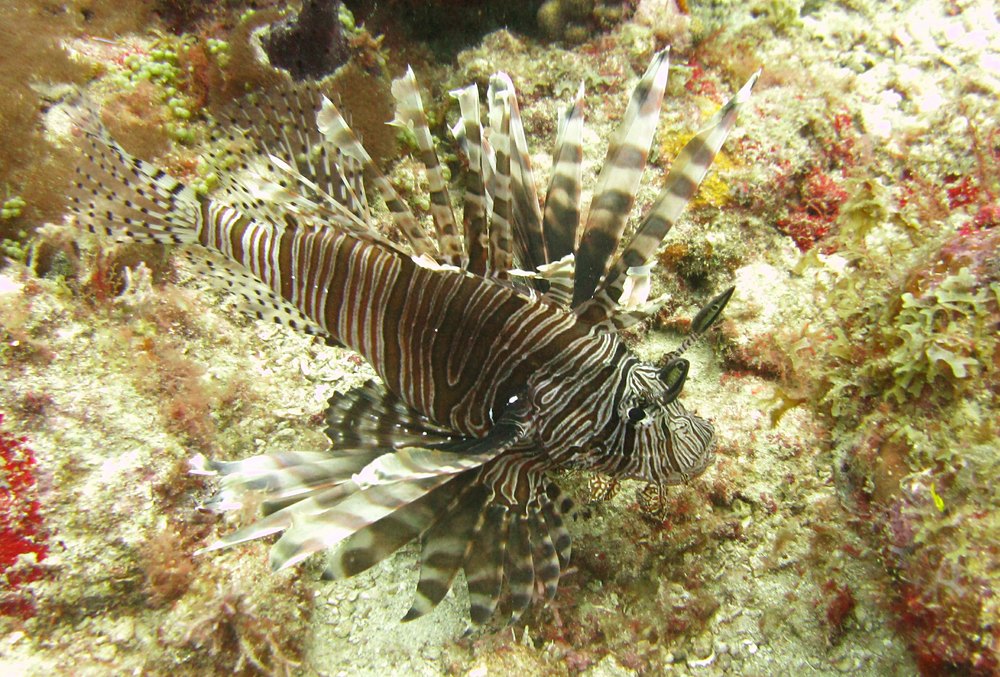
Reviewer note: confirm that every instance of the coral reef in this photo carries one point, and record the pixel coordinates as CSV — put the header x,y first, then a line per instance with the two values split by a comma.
x,y
574,21
914,409
849,524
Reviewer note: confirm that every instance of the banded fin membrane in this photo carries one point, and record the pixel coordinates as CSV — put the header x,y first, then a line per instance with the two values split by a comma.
x,y
619,179
445,546
562,201
477,202
123,197
410,115
257,299
370,415
686,174
501,225
337,132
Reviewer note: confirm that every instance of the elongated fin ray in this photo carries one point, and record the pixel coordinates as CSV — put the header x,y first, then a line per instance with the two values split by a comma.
x,y
280,122
484,564
329,528
501,230
299,505
336,131
283,477
618,181
520,568
412,463
686,174
554,506
410,115
316,499
469,134
355,490
526,214
445,546
543,555
562,201
369,545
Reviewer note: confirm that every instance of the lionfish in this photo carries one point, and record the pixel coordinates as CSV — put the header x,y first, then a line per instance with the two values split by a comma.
x,y
496,342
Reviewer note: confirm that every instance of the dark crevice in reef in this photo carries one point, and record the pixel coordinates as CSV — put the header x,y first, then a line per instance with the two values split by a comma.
x,y
311,44
446,26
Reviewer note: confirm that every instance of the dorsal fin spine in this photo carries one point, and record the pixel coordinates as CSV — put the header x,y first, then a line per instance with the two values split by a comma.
x,y
501,230
562,202
619,179
337,132
469,132
686,174
410,115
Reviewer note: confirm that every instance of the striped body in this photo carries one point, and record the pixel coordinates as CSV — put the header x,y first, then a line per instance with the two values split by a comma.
x,y
400,316
492,377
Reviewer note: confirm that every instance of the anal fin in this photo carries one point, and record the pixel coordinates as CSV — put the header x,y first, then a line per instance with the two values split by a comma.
x,y
370,415
257,299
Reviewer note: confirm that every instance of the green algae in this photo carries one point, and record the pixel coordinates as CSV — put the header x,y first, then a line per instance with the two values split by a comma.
x,y
12,207
949,328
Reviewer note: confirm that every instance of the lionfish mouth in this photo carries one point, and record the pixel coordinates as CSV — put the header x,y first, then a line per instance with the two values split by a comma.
x,y
692,444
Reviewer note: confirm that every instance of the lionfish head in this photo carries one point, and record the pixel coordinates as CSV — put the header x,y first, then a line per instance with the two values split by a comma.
x,y
661,441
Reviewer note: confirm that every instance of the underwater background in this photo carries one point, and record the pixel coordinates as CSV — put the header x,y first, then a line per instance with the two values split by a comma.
x,y
849,523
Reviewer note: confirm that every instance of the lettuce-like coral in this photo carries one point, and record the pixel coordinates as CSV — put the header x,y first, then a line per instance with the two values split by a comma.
x,y
939,336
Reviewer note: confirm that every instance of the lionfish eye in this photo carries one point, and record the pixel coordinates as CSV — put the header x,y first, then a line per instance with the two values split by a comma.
x,y
673,376
635,414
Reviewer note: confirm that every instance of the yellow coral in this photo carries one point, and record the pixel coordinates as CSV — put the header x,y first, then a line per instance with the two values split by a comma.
x,y
714,190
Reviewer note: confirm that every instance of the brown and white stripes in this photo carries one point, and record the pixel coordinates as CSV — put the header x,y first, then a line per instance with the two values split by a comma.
x,y
498,356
